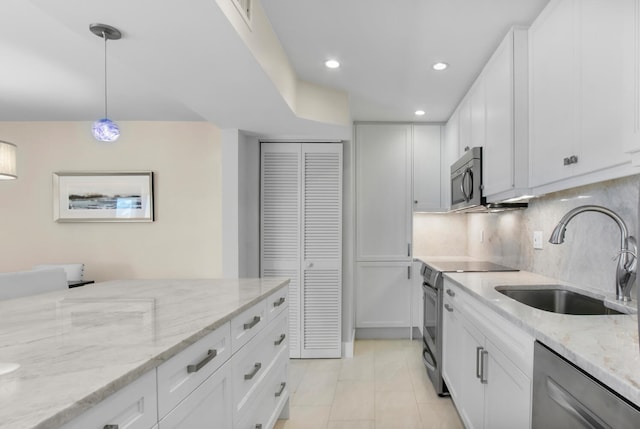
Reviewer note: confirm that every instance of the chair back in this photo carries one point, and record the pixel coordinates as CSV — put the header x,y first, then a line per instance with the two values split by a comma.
x,y
23,283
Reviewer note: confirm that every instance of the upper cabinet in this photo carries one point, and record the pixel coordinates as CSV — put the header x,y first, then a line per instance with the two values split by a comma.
x,y
493,115
582,92
383,192
427,177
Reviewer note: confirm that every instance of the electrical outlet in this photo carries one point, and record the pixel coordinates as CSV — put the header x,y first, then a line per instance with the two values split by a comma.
x,y
537,239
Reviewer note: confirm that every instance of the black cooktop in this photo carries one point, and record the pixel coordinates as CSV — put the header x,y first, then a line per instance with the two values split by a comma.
x,y
468,266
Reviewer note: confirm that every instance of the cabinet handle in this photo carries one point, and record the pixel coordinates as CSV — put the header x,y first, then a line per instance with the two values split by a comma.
x,y
110,427
279,392
478,369
483,375
415,201
279,302
408,249
450,292
259,426
448,308
253,373
570,160
279,340
409,272
253,323
195,368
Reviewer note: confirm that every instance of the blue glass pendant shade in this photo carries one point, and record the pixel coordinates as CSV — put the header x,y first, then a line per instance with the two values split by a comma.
x,y
105,130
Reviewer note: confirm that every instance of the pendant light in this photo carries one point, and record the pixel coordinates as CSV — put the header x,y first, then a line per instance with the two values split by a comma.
x,y
105,130
8,169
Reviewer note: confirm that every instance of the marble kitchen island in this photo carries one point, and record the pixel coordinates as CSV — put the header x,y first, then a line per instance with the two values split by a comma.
x,y
76,347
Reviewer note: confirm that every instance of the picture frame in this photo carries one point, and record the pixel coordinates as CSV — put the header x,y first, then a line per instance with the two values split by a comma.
x,y
103,196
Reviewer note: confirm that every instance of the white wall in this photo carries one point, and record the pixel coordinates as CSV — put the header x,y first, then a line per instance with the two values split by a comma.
x,y
185,239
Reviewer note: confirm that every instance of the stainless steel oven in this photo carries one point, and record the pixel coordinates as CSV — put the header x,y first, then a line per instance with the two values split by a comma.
x,y
432,288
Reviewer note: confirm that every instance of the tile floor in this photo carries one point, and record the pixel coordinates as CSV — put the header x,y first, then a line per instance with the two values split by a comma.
x,y
384,386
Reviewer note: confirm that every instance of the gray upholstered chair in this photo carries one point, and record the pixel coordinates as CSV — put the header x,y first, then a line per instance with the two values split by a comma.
x,y
23,283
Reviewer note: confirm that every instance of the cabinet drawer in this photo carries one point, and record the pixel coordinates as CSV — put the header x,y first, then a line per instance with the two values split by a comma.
x,y
247,324
277,302
255,362
181,374
133,407
270,400
209,405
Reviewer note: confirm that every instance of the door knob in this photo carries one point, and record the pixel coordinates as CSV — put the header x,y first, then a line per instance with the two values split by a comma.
x,y
309,264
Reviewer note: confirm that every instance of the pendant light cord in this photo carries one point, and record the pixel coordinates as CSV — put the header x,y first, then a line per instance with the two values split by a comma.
x,y
104,36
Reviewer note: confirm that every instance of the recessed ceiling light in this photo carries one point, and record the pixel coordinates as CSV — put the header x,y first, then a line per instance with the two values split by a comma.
x,y
332,64
440,66
419,112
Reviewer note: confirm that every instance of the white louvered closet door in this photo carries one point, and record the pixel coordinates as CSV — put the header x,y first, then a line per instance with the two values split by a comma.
x,y
280,225
322,250
316,298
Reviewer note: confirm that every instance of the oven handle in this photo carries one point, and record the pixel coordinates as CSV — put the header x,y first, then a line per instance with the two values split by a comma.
x,y
429,289
428,359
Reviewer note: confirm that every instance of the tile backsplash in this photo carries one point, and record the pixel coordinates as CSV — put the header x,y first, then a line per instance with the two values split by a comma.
x,y
592,240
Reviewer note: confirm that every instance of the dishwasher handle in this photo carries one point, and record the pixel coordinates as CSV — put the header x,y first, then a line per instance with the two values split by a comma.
x,y
574,407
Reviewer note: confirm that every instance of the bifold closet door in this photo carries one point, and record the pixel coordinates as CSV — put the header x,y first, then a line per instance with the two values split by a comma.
x,y
303,241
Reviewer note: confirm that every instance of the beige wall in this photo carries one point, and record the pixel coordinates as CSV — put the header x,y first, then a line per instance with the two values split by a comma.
x,y
183,242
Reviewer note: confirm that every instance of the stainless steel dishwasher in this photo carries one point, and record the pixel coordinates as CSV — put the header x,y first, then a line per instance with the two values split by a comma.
x,y
566,397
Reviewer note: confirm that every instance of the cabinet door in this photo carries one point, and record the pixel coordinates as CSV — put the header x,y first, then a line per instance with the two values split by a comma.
x,y
471,392
604,46
383,192
209,406
426,168
498,154
451,348
507,392
383,292
464,126
450,154
553,111
417,298
477,113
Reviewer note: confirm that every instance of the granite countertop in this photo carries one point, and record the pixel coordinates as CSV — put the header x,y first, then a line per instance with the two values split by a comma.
x,y
604,346
76,347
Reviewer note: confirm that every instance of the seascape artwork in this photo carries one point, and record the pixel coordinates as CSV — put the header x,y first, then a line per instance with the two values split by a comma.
x,y
103,197
104,202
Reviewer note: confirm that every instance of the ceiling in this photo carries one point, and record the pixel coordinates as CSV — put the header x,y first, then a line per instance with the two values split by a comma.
x,y
188,63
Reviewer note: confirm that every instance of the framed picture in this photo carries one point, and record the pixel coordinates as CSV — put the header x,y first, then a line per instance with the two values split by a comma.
x,y
103,197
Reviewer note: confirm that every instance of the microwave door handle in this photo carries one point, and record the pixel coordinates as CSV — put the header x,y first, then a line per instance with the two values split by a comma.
x,y
464,192
470,175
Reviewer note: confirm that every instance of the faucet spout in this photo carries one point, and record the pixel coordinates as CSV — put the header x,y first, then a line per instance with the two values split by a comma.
x,y
627,257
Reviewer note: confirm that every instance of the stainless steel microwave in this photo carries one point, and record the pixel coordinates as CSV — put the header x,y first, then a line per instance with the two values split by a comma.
x,y
467,189
466,181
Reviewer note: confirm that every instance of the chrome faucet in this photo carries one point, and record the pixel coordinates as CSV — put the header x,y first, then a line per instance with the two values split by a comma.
x,y
627,257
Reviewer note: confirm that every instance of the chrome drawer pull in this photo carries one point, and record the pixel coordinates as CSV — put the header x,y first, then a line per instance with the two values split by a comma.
x,y
253,373
478,369
259,426
483,376
279,302
280,340
279,392
195,368
448,308
450,292
110,427
253,323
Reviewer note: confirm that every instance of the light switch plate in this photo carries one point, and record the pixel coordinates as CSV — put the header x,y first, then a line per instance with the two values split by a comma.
x,y
537,239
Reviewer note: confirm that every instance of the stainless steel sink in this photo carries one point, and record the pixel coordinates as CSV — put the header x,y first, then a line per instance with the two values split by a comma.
x,y
555,299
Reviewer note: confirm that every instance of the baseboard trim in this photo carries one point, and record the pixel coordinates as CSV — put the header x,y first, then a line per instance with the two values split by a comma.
x,y
347,346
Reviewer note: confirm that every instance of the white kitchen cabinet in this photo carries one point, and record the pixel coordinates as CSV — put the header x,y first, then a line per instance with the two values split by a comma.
x,y
383,293
301,238
505,152
450,154
579,92
383,192
417,298
487,364
426,168
209,405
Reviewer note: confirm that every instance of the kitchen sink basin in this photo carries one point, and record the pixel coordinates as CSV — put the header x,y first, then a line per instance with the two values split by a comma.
x,y
556,300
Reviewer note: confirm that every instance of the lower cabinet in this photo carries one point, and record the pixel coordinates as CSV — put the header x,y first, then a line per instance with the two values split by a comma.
x,y
383,291
487,364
